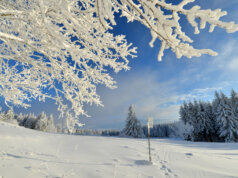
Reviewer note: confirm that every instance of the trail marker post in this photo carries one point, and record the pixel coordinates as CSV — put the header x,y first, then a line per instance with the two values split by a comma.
x,y
150,125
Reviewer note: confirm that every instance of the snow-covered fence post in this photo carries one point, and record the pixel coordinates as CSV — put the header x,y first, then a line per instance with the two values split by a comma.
x,y
150,125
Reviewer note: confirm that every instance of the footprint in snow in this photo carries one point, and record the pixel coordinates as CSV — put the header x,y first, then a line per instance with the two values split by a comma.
x,y
28,168
142,162
189,154
169,170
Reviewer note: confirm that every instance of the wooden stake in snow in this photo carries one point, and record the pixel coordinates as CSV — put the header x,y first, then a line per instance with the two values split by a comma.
x,y
150,125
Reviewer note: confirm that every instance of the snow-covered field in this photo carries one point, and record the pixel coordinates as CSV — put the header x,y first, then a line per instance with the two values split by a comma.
x,y
28,153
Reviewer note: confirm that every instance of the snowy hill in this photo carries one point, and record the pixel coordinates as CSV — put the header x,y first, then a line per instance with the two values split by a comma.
x,y
28,153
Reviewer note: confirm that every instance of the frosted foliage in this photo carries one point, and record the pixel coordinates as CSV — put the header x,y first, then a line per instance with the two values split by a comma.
x,y
164,25
62,49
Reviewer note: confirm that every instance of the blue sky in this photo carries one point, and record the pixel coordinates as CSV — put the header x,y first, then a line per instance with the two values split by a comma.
x,y
157,89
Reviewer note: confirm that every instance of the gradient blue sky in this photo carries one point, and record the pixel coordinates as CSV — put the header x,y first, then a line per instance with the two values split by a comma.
x,y
158,88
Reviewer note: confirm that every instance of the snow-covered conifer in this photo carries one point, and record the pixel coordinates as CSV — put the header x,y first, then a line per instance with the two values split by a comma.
x,y
234,105
30,121
42,122
1,114
200,121
20,119
50,124
225,120
183,112
10,117
210,123
133,127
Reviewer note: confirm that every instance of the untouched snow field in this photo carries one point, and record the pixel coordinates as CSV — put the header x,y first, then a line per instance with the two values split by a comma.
x,y
27,153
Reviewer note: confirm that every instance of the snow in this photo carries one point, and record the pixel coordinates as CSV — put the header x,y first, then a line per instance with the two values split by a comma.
x,y
30,153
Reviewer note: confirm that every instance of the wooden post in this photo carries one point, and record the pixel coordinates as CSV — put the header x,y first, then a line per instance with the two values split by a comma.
x,y
149,144
150,125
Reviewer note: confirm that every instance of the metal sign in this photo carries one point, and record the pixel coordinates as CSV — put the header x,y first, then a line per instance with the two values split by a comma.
x,y
150,122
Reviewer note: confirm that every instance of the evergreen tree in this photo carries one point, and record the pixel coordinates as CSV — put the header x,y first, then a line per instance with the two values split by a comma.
x,y
226,121
1,114
50,124
216,104
210,123
10,117
133,127
30,121
41,123
183,112
234,105
190,113
20,118
200,121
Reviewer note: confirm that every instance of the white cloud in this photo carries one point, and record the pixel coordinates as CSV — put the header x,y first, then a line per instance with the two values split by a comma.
x,y
151,97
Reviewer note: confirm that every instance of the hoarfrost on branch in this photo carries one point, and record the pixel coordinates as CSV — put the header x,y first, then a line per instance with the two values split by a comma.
x,y
62,49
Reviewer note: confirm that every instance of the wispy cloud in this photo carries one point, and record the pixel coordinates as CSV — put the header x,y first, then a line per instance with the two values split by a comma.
x,y
151,97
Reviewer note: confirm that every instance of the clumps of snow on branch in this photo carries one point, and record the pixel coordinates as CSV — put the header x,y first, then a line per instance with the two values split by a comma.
x,y
62,49
163,21
57,50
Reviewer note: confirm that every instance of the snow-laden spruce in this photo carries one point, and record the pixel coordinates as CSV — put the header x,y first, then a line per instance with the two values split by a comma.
x,y
62,49
212,122
133,127
226,121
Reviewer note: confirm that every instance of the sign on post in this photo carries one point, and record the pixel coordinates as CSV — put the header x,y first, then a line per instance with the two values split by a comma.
x,y
150,122
150,125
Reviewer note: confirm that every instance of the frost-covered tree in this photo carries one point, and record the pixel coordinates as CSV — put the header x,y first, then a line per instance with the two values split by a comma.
x,y
216,121
42,122
183,113
234,102
1,114
234,105
210,123
30,121
200,118
62,49
225,120
10,116
183,130
133,127
20,118
50,124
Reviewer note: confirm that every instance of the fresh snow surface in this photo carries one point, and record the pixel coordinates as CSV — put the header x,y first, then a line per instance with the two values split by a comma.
x,y
27,153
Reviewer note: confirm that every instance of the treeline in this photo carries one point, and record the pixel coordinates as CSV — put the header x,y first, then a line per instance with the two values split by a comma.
x,y
97,132
40,122
215,121
46,124
165,130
